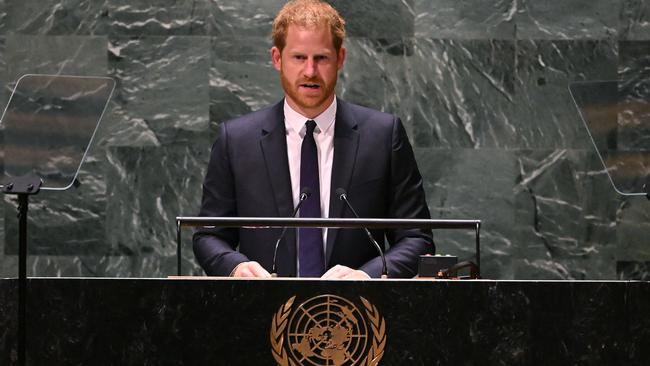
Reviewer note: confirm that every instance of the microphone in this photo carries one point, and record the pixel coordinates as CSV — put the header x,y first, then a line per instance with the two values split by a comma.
x,y
344,197
304,194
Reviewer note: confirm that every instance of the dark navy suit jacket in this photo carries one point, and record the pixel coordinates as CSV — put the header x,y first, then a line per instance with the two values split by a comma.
x,y
248,176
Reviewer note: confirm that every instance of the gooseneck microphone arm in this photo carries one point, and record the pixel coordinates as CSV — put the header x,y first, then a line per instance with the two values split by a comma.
x,y
344,197
304,194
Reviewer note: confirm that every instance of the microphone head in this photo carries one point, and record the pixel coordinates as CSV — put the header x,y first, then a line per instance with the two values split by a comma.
x,y
341,193
306,192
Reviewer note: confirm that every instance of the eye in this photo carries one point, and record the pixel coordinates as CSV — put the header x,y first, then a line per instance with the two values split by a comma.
x,y
300,57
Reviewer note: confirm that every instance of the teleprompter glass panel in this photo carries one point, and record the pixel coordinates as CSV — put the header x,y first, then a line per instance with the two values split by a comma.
x,y
617,115
49,123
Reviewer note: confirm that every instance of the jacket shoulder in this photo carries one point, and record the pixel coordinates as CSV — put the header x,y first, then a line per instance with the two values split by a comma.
x,y
368,116
254,121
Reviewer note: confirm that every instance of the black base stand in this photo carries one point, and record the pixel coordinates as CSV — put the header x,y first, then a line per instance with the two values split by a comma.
x,y
23,187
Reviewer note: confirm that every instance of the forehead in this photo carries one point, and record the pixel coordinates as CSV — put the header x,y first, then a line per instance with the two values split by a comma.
x,y
312,37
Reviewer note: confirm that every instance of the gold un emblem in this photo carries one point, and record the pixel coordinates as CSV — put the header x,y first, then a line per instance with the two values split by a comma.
x,y
327,330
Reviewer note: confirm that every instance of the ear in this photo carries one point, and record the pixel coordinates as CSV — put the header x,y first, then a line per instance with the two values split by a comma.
x,y
341,58
276,58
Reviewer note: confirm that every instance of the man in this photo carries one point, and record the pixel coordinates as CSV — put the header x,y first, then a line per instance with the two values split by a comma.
x,y
262,161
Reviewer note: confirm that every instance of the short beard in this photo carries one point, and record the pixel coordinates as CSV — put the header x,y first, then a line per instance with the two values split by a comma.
x,y
292,92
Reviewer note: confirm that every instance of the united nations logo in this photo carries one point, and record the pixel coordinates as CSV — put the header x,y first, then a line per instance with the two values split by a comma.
x,y
328,330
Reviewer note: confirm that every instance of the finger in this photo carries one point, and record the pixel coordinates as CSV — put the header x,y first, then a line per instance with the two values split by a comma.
x,y
258,271
331,272
244,272
340,272
356,275
344,272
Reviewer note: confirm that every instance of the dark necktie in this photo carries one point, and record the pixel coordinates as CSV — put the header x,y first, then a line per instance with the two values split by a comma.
x,y
311,257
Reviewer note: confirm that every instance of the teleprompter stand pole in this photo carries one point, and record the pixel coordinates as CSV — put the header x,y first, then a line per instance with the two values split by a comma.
x,y
23,187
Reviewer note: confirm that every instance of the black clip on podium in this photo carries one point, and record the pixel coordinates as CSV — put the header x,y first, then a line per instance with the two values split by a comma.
x,y
48,125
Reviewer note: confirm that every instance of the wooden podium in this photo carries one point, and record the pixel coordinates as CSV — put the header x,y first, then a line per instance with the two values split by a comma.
x,y
87,321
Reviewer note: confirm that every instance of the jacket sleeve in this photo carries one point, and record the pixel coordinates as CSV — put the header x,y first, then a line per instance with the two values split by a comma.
x,y
215,248
406,201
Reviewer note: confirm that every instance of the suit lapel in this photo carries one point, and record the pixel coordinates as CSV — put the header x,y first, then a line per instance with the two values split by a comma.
x,y
346,143
273,143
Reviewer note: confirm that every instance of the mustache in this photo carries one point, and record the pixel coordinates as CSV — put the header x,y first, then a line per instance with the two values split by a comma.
x,y
311,81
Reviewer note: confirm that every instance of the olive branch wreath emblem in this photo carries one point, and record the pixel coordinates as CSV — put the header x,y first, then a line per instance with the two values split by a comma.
x,y
281,317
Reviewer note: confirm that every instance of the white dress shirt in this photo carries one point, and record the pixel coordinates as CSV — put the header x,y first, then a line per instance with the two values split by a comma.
x,y
294,123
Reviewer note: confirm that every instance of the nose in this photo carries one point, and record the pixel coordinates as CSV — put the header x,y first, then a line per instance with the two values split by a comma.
x,y
310,68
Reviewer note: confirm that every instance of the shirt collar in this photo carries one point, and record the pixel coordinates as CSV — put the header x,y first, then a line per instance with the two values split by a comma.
x,y
296,121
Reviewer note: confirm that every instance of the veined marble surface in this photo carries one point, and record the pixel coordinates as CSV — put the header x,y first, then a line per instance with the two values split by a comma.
x,y
481,86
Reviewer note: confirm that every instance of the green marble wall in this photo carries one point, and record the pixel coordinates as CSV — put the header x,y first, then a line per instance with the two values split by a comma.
x,y
482,86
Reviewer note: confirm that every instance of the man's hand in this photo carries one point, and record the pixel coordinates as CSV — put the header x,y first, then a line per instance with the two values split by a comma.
x,y
250,269
340,272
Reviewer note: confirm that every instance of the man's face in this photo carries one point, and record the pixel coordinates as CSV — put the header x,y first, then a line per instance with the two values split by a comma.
x,y
308,67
